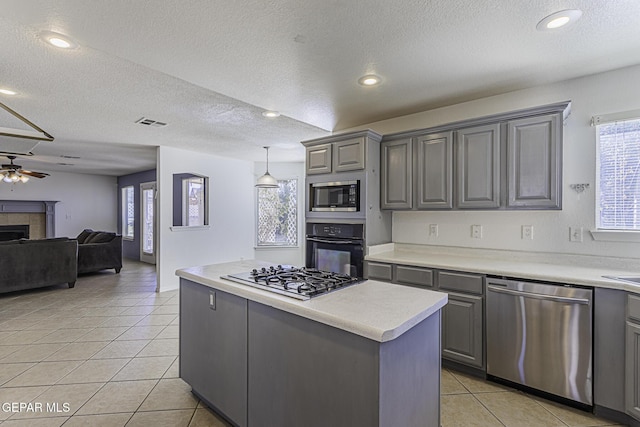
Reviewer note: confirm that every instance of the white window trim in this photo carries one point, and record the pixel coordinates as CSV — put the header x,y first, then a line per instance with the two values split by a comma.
x,y
123,216
616,235
602,234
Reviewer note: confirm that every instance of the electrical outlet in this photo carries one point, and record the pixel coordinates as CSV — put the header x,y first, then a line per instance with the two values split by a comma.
x,y
476,231
527,232
575,234
433,230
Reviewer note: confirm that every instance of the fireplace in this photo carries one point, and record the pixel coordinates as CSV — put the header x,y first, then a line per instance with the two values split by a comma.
x,y
13,232
38,216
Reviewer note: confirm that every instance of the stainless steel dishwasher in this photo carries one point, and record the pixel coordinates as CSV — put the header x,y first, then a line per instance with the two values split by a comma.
x,y
540,336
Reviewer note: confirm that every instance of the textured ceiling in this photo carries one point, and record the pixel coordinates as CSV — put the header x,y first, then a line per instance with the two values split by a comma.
x,y
209,68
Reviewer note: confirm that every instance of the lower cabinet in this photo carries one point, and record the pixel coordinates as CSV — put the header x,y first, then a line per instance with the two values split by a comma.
x,y
303,372
462,317
632,356
213,348
462,329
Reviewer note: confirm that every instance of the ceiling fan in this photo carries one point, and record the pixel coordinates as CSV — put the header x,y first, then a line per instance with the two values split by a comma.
x,y
12,173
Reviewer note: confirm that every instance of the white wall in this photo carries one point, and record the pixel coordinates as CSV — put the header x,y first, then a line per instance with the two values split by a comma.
x,y
292,256
231,214
598,94
85,201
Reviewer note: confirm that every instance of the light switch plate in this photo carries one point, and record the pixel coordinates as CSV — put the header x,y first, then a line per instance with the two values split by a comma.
x,y
575,234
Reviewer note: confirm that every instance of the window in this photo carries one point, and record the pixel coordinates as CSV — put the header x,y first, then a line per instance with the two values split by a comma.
x,y
128,212
194,212
278,214
619,175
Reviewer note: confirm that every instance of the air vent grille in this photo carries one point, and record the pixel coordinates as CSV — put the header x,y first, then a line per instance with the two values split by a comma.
x,y
150,122
64,156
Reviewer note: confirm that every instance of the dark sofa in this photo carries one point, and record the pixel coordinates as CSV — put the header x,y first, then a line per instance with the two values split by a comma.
x,y
28,264
99,250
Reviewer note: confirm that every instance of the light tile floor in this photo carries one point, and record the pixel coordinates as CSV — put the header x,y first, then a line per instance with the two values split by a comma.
x,y
105,354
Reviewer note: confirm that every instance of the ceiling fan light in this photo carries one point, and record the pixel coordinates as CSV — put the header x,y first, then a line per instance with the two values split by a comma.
x,y
24,178
7,179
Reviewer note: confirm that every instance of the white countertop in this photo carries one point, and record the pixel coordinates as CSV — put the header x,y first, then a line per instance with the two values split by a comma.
x,y
372,309
569,269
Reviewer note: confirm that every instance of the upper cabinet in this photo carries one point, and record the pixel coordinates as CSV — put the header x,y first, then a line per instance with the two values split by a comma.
x,y
434,171
396,175
348,155
506,161
339,153
534,164
319,159
478,166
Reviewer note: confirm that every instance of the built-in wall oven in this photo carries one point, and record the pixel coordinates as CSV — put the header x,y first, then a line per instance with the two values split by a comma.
x,y
338,248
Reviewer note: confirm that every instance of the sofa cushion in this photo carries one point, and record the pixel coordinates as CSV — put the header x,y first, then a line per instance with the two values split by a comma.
x,y
90,236
83,235
100,237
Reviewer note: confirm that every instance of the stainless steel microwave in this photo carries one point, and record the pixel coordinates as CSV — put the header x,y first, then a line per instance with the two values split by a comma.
x,y
341,196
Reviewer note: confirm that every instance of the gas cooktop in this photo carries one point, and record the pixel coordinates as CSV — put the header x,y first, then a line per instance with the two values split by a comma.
x,y
301,283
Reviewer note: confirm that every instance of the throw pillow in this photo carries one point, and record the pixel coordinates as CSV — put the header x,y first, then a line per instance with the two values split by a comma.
x,y
83,235
102,237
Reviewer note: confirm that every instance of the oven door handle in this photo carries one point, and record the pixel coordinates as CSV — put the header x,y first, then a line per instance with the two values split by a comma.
x,y
337,241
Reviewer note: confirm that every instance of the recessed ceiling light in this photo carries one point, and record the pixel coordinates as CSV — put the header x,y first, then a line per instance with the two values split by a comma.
x,y
559,19
7,92
369,80
271,114
58,40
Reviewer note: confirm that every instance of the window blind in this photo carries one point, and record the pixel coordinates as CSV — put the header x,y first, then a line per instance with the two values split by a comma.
x,y
619,173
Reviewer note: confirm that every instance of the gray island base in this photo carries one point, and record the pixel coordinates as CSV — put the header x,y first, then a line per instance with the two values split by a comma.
x,y
265,360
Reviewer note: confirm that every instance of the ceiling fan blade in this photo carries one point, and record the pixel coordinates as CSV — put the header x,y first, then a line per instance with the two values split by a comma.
x,y
33,174
7,168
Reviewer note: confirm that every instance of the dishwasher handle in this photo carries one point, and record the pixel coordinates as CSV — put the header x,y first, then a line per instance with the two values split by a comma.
x,y
568,300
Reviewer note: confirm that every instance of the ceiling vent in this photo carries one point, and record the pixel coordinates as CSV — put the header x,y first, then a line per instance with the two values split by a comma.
x,y
149,122
64,156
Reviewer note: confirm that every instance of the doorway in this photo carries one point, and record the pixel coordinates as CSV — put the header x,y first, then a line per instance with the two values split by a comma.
x,y
148,221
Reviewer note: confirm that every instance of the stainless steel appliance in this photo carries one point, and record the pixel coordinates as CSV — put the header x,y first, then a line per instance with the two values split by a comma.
x,y
300,283
338,248
540,336
338,196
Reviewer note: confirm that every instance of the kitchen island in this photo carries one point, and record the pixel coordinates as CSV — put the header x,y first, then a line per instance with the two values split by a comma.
x,y
366,355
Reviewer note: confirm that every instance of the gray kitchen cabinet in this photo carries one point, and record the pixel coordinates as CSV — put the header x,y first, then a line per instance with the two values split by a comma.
x,y
534,162
434,154
338,156
349,155
632,356
378,271
462,326
478,167
463,318
213,348
414,276
319,159
306,373
396,177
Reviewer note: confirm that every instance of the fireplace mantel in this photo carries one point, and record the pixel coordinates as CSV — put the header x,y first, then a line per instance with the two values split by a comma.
x,y
33,206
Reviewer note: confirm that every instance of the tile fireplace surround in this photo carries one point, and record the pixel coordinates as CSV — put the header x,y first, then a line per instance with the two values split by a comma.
x,y
38,215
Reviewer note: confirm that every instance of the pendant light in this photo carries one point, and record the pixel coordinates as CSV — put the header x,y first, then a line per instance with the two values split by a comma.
x,y
266,180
